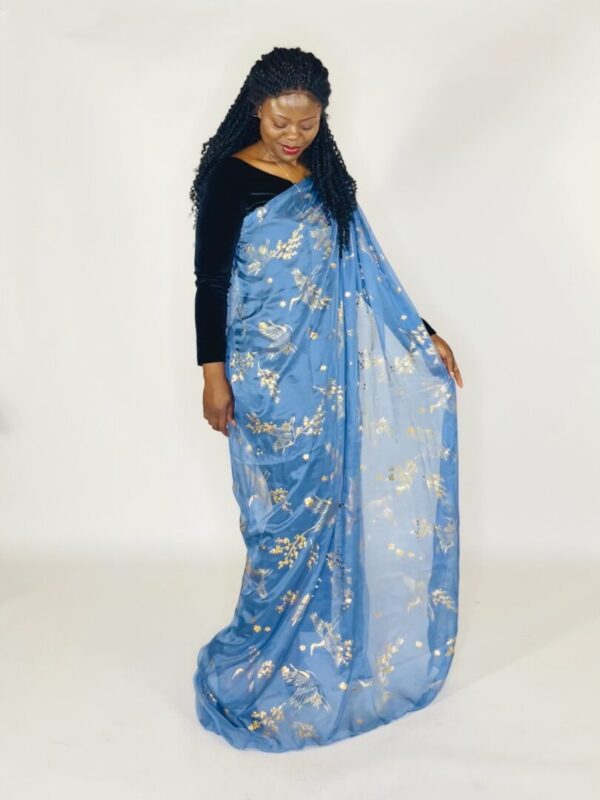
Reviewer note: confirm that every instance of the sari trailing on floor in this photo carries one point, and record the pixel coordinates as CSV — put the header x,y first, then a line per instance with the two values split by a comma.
x,y
345,468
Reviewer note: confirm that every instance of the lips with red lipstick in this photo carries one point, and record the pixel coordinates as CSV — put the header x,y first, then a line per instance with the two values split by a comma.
x,y
290,151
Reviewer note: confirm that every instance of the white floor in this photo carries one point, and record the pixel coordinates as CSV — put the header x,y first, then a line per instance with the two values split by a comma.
x,y
96,693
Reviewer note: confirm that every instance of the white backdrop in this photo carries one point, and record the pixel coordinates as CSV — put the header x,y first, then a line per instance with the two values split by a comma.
x,y
472,129
469,127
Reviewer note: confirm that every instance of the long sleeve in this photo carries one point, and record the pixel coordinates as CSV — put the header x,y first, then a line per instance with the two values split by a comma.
x,y
430,330
233,188
218,225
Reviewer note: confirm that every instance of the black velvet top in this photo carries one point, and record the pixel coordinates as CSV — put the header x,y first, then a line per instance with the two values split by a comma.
x,y
232,190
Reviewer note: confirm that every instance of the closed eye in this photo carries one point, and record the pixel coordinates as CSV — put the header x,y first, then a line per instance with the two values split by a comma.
x,y
281,127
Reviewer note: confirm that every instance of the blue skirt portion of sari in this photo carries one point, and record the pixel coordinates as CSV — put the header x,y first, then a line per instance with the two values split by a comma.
x,y
345,468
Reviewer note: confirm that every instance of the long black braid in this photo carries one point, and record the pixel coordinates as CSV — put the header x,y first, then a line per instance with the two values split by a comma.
x,y
285,69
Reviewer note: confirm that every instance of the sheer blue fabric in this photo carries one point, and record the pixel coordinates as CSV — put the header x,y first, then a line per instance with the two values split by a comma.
x,y
345,468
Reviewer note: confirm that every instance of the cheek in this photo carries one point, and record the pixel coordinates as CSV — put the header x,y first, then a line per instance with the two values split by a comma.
x,y
268,131
276,133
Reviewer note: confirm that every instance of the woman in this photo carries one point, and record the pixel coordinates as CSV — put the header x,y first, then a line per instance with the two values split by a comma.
x,y
340,412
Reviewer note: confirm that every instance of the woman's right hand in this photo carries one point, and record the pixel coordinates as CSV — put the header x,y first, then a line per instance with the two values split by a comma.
x,y
217,397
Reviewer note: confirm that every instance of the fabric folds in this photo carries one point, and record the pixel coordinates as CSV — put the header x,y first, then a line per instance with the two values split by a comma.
x,y
345,468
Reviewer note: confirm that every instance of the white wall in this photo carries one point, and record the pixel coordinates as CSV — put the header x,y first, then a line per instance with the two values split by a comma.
x,y
472,130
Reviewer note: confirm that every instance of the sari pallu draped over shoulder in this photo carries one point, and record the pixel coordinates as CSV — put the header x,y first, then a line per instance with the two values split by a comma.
x,y
345,468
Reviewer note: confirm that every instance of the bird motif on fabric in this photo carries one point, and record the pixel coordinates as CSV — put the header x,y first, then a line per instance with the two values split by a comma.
x,y
280,336
307,690
344,465
340,651
311,294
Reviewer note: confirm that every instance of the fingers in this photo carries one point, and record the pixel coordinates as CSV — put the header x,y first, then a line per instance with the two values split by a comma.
x,y
447,356
222,424
220,421
453,369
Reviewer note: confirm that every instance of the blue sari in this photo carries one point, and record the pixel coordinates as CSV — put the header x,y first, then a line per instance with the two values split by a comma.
x,y
345,468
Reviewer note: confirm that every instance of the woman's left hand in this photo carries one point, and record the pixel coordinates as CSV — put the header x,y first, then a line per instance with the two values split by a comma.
x,y
447,357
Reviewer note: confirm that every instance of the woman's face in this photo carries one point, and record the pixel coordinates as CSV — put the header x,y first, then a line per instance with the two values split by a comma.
x,y
290,119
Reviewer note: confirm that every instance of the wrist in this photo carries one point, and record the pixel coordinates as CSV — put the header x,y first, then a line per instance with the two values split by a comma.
x,y
213,368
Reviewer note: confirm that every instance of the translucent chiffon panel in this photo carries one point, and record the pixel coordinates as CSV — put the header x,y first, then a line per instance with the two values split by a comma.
x,y
345,468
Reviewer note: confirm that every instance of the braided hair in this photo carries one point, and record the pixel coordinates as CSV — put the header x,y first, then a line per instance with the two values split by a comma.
x,y
285,69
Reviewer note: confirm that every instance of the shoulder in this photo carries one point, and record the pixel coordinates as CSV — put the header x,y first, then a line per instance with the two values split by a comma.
x,y
228,165
221,202
223,180
226,178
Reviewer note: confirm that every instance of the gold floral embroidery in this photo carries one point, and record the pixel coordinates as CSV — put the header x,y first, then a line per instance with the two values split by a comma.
x,y
420,334
403,364
446,535
382,425
288,599
290,548
269,379
240,363
435,481
287,433
279,497
383,661
402,475
266,669
267,720
259,255
288,249
441,597
313,556
304,730
335,390
396,444
422,528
